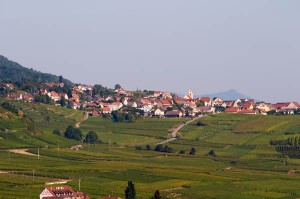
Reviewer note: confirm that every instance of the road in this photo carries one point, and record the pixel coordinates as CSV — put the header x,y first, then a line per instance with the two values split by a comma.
x,y
22,151
86,116
175,131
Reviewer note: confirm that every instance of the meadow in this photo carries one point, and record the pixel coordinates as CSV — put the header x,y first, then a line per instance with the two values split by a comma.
x,y
245,165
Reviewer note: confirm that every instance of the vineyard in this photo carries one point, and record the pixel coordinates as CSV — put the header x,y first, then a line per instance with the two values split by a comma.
x,y
233,156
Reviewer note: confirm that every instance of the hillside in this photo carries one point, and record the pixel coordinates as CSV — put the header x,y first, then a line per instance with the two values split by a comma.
x,y
231,94
12,71
35,127
243,164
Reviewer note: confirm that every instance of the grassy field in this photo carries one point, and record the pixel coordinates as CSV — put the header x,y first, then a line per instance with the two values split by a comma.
x,y
245,165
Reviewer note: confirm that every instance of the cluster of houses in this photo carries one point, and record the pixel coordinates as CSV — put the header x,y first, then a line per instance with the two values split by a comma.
x,y
66,192
156,103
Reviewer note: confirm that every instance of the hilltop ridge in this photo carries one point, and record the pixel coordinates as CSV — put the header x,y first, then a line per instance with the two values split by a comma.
x,y
12,71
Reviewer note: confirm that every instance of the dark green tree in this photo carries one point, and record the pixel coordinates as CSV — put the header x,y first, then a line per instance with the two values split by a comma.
x,y
212,153
60,79
158,148
91,137
193,151
117,86
148,147
57,132
200,124
63,101
130,191
156,195
200,103
73,133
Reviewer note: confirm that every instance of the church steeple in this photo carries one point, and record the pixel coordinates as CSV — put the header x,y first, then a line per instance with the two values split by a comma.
x,y
190,95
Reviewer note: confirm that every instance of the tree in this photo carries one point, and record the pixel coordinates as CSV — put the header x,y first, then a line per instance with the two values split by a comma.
x,y
212,153
57,132
69,93
117,86
200,124
130,191
182,151
169,108
60,79
73,133
158,148
167,149
138,147
200,103
148,147
193,151
63,101
91,137
156,195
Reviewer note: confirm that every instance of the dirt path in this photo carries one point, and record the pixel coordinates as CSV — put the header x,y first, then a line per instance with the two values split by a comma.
x,y
22,151
86,116
175,131
172,189
60,181
68,116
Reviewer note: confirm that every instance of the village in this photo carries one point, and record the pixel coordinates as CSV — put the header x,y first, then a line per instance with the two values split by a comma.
x,y
147,103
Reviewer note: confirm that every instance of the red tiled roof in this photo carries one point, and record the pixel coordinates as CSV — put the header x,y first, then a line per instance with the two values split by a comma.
x,y
205,99
245,111
106,109
281,105
165,102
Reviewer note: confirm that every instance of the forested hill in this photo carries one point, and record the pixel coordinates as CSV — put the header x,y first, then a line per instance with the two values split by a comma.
x,y
12,71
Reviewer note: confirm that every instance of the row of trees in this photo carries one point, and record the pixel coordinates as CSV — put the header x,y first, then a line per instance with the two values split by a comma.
x,y
292,141
165,149
126,116
74,133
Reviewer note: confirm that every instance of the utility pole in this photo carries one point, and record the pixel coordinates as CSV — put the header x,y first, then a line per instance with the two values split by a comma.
x,y
38,153
33,175
110,143
79,183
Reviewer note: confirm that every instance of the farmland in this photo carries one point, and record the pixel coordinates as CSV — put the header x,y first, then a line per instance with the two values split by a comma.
x,y
245,165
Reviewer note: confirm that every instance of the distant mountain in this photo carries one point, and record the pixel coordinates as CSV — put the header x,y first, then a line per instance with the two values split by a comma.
x,y
12,71
227,95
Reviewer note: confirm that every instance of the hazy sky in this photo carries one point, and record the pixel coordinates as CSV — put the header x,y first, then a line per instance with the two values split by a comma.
x,y
207,46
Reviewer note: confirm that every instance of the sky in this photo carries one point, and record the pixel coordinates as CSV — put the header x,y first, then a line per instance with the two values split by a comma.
x,y
170,45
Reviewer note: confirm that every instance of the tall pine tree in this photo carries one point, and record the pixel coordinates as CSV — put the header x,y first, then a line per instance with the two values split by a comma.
x,y
130,191
156,195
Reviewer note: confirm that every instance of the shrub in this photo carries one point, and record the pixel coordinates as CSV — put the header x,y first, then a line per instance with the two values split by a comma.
x,y
200,124
73,133
212,153
57,132
193,151
138,148
148,147
91,137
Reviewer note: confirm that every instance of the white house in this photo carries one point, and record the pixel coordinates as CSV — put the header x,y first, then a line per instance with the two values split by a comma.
x,y
159,112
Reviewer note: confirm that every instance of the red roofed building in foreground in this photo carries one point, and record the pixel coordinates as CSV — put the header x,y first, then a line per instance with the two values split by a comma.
x,y
232,110
62,192
248,112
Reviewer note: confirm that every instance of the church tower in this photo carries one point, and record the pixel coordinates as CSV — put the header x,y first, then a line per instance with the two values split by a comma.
x,y
190,95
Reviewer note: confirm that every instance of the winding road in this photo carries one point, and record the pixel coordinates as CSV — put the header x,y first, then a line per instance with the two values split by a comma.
x,y
175,131
86,116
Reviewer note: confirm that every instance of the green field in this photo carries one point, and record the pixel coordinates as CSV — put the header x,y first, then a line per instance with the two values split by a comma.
x,y
245,166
